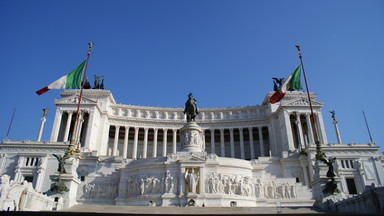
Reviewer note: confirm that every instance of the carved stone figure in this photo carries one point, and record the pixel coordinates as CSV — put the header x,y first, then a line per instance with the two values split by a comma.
x,y
191,108
102,84
192,179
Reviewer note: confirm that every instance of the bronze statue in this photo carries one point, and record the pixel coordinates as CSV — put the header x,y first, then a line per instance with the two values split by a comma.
x,y
87,85
191,108
97,82
333,114
61,160
102,84
277,81
45,112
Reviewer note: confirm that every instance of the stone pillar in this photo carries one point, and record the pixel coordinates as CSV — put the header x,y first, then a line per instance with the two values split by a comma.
x,y
41,129
261,141
165,142
232,143
134,150
41,173
222,142
174,143
300,132
337,132
71,182
67,127
251,143
56,125
242,153
145,145
321,128
154,152
213,141
87,138
125,146
181,181
201,181
79,129
271,142
291,143
310,130
116,140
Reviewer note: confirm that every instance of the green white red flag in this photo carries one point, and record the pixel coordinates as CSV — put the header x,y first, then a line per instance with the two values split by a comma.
x,y
69,81
293,82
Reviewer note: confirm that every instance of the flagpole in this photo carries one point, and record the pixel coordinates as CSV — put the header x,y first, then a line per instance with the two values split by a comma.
x,y
320,153
10,124
366,123
70,151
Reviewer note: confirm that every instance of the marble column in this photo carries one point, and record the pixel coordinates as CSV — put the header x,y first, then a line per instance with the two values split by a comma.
x,y
261,141
251,143
232,143
56,125
242,153
165,142
181,181
68,125
125,146
222,142
174,141
201,180
305,173
300,132
309,128
134,150
213,141
116,140
41,129
145,144
154,151
337,132
291,143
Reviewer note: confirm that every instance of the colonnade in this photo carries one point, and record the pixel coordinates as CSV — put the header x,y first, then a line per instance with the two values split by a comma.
x,y
63,130
143,142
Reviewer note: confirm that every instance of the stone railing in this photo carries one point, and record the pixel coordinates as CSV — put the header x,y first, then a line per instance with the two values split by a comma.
x,y
176,114
371,201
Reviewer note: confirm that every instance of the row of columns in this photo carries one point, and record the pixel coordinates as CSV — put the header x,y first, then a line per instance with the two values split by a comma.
x,y
145,142
232,142
300,132
174,142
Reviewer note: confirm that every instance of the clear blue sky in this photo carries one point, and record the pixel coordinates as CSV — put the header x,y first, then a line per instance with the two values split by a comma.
x,y
155,52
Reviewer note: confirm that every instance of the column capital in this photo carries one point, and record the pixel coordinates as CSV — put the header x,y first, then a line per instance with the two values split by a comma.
x,y
146,129
155,129
117,126
174,130
250,128
221,130
231,129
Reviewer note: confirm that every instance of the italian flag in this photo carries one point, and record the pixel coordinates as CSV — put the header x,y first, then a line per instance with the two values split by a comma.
x,y
69,81
291,83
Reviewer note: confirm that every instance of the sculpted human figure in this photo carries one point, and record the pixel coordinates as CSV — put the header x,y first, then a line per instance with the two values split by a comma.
x,y
4,190
192,179
61,161
191,108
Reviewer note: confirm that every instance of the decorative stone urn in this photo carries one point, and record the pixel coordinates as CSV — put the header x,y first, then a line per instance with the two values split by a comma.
x,y
191,139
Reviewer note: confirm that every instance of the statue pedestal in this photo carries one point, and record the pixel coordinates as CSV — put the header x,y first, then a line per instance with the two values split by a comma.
x,y
191,138
319,184
70,181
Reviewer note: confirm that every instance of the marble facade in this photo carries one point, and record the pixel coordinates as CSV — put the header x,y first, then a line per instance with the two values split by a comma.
x,y
136,155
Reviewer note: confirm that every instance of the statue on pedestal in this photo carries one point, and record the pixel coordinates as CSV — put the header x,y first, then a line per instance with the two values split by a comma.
x,y
191,108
